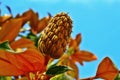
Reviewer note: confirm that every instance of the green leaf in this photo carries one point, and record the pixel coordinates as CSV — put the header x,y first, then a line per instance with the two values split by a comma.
x,y
33,37
118,77
5,46
2,78
54,70
62,77
50,65
70,51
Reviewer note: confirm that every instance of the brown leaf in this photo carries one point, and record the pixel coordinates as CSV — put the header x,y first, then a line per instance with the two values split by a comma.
x,y
10,29
106,69
22,43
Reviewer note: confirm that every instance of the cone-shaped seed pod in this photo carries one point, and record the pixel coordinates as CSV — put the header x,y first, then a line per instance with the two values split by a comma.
x,y
55,36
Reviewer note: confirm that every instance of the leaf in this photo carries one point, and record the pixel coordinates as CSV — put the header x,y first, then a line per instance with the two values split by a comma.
x,y
10,29
83,55
59,77
57,70
70,51
34,20
118,77
5,46
23,43
75,42
23,78
51,65
32,17
107,70
12,64
2,78
78,38
36,24
62,77
26,16
42,24
74,73
3,19
33,37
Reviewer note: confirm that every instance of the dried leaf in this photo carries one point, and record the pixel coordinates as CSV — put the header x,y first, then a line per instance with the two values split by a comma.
x,y
22,43
10,29
107,70
12,64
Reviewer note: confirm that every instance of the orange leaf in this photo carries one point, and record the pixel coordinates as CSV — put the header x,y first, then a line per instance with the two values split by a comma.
x,y
22,43
42,23
82,55
34,20
7,69
10,29
32,17
13,64
78,38
75,72
107,70
26,16
4,19
75,42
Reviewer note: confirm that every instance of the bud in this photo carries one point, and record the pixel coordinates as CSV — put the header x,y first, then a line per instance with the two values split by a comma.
x,y
56,35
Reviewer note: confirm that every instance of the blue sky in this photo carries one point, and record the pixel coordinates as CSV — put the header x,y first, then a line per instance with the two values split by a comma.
x,y
97,20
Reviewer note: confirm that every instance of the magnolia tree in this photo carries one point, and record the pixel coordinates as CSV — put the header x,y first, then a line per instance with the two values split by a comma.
x,y
45,50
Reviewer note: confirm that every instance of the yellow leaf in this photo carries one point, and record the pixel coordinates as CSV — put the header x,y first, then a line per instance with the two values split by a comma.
x,y
107,70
